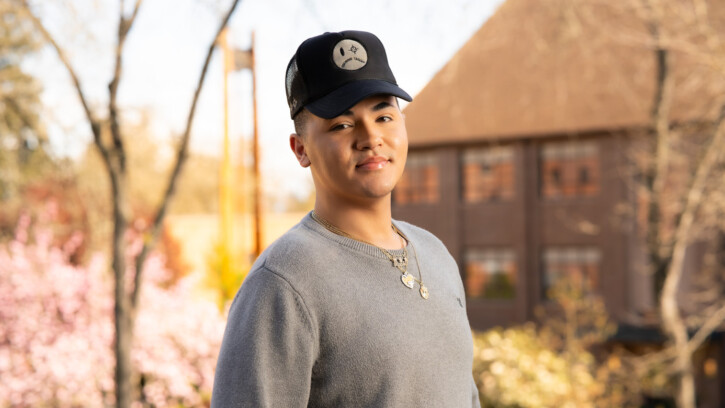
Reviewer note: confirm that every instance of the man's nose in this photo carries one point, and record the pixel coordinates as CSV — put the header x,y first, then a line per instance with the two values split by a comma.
x,y
369,136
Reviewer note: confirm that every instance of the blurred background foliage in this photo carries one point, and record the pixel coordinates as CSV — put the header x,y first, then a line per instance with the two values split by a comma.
x,y
565,359
24,157
226,270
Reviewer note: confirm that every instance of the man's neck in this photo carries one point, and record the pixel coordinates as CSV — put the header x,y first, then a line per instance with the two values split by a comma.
x,y
370,223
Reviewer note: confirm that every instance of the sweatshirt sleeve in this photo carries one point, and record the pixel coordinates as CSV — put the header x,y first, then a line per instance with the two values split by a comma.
x,y
476,401
269,347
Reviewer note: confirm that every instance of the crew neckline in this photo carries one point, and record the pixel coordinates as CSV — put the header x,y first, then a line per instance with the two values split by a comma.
x,y
354,244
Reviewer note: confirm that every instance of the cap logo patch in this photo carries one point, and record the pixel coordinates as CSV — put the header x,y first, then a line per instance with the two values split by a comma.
x,y
350,55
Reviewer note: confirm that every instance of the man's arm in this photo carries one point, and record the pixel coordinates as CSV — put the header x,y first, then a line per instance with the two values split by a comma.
x,y
269,347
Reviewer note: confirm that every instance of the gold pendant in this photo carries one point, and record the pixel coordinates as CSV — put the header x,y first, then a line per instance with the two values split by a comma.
x,y
424,292
408,280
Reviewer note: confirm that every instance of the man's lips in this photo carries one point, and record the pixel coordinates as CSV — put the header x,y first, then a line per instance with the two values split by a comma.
x,y
372,163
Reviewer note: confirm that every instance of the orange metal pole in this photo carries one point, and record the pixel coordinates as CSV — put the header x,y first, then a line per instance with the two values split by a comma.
x,y
256,173
225,196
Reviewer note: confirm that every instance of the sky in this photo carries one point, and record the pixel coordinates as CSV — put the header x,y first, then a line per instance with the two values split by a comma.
x,y
166,47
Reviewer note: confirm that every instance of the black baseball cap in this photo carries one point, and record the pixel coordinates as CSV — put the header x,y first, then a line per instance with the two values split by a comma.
x,y
332,72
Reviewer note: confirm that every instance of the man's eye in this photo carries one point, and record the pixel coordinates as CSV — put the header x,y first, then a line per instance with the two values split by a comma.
x,y
340,126
385,119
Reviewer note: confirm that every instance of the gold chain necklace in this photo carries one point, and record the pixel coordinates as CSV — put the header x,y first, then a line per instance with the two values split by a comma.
x,y
401,263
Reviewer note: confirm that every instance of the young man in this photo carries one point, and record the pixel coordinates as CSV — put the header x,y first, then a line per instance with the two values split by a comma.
x,y
349,308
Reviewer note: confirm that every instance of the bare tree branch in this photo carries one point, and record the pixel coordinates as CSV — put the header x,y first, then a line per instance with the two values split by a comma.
x,y
94,123
19,112
124,26
710,325
152,235
713,321
134,13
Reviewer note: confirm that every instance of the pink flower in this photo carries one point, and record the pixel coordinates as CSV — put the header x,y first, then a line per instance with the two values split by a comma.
x,y
57,331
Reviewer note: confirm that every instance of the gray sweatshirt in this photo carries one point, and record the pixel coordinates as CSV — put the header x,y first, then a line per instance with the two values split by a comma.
x,y
325,321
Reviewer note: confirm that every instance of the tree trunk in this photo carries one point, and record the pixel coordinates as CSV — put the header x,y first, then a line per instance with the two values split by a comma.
x,y
121,313
675,328
667,268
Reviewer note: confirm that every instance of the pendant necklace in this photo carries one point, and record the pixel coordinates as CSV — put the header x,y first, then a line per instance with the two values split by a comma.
x,y
399,262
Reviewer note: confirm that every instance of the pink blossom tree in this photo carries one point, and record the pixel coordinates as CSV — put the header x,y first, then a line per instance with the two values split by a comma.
x,y
56,330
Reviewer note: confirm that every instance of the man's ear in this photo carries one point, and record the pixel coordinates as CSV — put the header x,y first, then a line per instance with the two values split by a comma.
x,y
298,148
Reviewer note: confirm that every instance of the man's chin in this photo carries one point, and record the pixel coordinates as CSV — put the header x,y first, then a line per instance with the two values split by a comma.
x,y
378,192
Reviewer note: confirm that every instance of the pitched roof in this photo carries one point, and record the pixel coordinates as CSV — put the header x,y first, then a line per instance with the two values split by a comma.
x,y
563,66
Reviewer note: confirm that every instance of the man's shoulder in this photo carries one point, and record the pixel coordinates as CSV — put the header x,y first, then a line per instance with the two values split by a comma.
x,y
293,242
418,233
297,250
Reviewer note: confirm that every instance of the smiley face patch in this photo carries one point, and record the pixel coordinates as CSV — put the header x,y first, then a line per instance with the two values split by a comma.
x,y
350,55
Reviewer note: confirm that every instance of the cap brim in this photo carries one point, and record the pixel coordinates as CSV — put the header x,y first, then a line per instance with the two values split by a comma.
x,y
345,97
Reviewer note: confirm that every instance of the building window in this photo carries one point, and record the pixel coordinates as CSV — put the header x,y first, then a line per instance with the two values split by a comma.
x,y
569,169
578,264
490,273
420,180
488,174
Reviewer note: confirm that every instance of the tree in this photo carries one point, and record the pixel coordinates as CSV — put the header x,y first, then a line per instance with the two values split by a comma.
x,y
672,229
670,54
680,159
113,151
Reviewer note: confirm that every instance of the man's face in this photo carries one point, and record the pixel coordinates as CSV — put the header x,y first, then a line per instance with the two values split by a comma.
x,y
357,156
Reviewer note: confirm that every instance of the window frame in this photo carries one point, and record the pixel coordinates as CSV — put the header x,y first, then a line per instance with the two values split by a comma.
x,y
592,269
495,167
501,254
421,179
560,165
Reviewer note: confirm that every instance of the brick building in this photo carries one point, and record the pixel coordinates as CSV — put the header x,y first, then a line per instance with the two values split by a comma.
x,y
519,159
